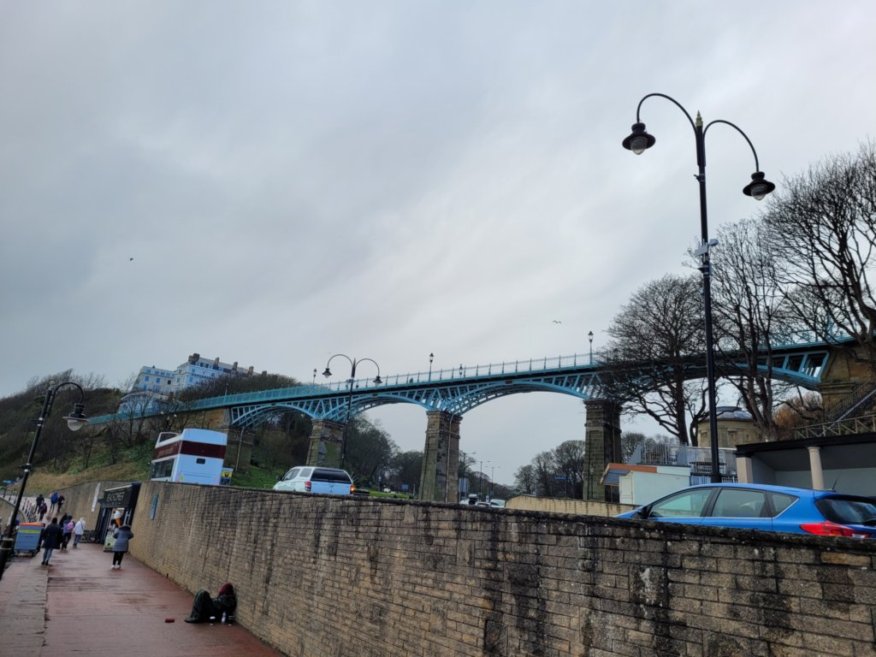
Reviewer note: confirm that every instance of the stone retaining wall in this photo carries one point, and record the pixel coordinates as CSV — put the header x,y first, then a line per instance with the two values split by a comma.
x,y
321,576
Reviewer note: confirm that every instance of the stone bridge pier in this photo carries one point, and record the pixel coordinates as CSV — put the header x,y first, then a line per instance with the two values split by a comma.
x,y
326,443
602,445
439,480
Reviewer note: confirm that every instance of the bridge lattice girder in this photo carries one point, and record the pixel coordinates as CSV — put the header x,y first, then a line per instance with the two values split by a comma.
x,y
801,365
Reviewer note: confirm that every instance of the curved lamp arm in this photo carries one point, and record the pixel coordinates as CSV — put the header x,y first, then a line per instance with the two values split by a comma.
x,y
353,364
759,185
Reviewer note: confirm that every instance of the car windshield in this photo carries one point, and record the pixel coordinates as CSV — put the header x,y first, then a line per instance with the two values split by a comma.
x,y
848,510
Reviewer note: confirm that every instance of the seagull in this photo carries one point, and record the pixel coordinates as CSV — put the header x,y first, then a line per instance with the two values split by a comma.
x,y
130,260
556,321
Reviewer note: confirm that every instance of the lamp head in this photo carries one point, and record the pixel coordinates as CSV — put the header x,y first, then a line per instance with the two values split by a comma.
x,y
327,372
758,187
639,140
76,420
378,380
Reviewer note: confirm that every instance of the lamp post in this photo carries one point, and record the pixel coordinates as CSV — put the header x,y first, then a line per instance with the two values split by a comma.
x,y
353,363
590,338
431,357
639,141
75,421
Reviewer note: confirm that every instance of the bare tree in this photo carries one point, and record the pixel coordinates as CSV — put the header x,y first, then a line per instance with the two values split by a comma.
x,y
751,318
525,480
657,333
823,229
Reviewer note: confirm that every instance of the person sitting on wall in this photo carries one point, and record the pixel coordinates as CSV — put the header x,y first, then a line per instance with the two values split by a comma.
x,y
205,608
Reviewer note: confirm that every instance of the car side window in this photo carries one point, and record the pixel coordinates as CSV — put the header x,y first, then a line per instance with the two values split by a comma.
x,y
689,503
739,503
305,472
781,502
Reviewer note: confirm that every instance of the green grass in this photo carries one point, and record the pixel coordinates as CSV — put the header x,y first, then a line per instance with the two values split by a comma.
x,y
255,477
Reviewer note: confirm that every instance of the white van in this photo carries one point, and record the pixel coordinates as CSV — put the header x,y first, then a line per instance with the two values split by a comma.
x,y
311,479
193,456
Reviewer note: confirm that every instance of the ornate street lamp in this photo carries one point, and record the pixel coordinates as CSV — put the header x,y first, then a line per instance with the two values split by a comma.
x,y
353,363
590,338
638,142
75,421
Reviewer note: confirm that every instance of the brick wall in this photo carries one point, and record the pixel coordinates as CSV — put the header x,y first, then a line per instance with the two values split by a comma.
x,y
321,576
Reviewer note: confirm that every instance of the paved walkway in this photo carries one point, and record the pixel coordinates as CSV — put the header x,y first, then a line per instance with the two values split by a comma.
x,y
79,605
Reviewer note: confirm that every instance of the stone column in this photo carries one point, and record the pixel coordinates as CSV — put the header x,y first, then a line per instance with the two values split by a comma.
x,y
744,471
438,477
815,467
326,439
602,445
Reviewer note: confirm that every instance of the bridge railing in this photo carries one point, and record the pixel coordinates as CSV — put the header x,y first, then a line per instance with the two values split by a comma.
x,y
534,365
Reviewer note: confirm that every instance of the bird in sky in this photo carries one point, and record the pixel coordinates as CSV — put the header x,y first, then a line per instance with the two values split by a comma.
x,y
557,321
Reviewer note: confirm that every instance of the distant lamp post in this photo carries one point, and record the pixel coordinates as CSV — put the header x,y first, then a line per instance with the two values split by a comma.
x,y
353,363
431,357
75,421
590,338
314,376
638,142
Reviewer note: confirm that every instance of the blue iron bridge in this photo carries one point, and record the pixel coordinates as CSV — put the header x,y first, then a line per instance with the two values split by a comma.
x,y
459,390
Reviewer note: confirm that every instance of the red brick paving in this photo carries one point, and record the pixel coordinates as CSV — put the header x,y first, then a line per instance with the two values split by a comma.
x,y
79,605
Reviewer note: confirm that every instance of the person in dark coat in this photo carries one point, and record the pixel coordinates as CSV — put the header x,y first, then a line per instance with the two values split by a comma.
x,y
67,527
204,607
122,535
52,536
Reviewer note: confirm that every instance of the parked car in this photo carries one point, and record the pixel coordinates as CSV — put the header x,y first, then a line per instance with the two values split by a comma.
x,y
767,508
497,503
310,479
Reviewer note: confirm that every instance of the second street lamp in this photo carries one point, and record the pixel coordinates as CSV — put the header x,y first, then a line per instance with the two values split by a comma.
x,y
353,363
638,142
75,421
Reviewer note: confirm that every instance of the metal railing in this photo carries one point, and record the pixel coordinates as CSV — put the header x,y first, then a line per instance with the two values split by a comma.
x,y
860,424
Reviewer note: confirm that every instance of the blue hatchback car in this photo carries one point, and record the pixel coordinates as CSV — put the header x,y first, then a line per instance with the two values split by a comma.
x,y
766,508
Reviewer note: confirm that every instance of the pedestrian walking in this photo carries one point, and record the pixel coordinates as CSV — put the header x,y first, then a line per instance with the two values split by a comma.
x,y
78,531
39,501
122,535
43,510
53,498
61,500
68,531
52,537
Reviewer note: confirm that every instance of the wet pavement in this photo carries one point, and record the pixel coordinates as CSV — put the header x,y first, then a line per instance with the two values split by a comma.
x,y
79,605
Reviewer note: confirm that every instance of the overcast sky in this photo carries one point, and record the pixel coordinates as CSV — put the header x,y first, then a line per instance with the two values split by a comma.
x,y
276,182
